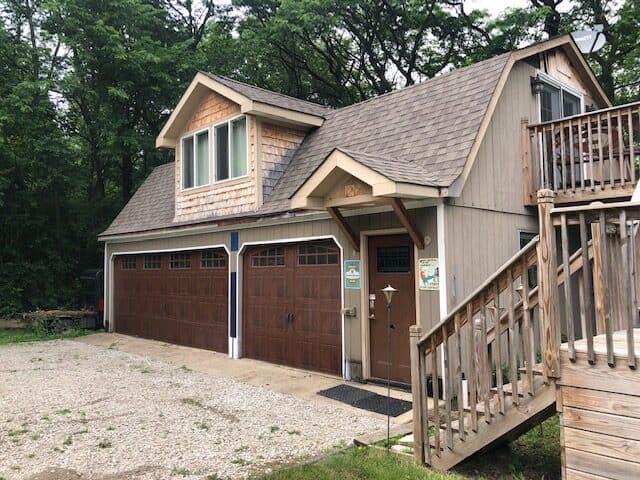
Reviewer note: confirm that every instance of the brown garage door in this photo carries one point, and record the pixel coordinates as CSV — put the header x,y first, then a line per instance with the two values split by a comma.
x,y
179,297
291,313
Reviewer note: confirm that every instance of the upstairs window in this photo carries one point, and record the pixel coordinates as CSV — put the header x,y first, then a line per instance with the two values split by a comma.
x,y
231,149
195,160
557,102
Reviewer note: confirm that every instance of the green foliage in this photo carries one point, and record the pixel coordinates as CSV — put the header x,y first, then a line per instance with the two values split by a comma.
x,y
21,335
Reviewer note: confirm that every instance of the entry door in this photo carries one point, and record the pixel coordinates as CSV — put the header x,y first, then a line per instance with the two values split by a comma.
x,y
391,262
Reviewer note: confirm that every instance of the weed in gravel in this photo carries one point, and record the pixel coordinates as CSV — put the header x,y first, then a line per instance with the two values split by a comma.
x,y
294,432
64,411
15,433
45,418
212,476
104,444
35,436
112,346
241,449
217,442
57,449
81,432
110,428
194,402
241,461
145,370
67,441
184,368
180,471
202,426
274,428
31,455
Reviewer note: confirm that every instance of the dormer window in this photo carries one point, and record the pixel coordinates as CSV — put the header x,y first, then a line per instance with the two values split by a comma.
x,y
195,160
231,149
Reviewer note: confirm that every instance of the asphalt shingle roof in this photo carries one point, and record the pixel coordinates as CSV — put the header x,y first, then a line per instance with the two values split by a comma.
x,y
271,98
421,134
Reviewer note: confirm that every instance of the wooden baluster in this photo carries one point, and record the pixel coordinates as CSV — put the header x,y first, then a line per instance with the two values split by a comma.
x,y
548,286
513,362
587,289
627,299
608,327
600,151
418,391
568,297
497,345
572,160
632,164
621,149
590,145
461,426
528,337
486,367
554,166
563,159
448,389
436,396
472,370
598,279
610,151
581,164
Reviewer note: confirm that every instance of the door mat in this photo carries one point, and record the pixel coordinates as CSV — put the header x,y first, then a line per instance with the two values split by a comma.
x,y
366,400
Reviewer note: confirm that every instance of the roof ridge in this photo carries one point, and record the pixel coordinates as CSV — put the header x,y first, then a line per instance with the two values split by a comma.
x,y
214,75
427,81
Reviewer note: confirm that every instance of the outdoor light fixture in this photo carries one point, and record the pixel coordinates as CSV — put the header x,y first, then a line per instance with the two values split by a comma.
x,y
536,85
388,294
388,297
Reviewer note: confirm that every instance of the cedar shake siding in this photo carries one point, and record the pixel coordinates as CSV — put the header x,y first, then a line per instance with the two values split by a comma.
x,y
278,145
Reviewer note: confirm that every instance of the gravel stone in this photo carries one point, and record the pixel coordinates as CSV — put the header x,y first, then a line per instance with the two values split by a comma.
x,y
72,410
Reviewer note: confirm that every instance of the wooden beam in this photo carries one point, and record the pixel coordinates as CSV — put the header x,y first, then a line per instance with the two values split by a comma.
x,y
407,222
345,227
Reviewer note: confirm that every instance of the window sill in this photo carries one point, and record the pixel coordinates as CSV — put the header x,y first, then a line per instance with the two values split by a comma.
x,y
231,181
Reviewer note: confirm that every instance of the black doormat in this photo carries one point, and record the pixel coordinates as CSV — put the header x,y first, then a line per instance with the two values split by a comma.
x,y
366,400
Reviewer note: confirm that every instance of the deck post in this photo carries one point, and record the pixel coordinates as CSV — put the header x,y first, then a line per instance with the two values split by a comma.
x,y
548,286
418,392
527,167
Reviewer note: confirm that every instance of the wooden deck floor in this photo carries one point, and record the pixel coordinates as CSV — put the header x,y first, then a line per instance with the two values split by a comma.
x,y
600,344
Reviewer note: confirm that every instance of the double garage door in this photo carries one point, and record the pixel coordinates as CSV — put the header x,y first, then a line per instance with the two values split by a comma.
x,y
179,297
291,302
291,308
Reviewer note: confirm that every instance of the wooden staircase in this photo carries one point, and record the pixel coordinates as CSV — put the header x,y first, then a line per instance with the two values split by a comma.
x,y
497,355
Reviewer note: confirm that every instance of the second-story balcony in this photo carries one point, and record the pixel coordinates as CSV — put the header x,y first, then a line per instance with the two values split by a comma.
x,y
587,157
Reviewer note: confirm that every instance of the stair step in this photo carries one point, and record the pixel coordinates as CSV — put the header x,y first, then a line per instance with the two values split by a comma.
x,y
508,390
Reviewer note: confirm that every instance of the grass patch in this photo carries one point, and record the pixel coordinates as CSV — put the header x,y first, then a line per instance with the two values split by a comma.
x,y
104,444
20,335
533,456
194,402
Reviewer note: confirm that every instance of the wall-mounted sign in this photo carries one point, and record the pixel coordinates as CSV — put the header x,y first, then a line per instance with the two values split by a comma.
x,y
429,274
352,274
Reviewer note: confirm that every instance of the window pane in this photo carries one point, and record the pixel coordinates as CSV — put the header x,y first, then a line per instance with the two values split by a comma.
x,y
202,156
394,259
187,162
222,152
570,104
550,103
239,147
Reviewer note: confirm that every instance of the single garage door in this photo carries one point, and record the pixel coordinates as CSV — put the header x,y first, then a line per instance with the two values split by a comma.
x,y
292,302
179,297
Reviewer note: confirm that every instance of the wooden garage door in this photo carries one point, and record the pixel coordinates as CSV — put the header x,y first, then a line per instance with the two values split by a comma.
x,y
291,313
179,297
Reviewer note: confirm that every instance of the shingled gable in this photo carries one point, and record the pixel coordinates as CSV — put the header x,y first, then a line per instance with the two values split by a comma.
x,y
433,130
252,100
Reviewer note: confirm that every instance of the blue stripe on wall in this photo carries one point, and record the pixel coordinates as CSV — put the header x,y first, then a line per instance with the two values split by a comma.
x,y
233,328
234,241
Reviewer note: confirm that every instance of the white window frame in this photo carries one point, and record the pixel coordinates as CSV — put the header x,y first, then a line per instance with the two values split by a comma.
x,y
228,121
193,136
554,82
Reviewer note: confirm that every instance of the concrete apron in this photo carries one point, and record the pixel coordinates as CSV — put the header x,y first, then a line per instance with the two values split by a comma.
x,y
299,383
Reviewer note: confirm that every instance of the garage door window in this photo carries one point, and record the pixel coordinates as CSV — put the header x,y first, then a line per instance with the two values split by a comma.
x,y
317,255
180,261
128,263
212,259
152,262
269,257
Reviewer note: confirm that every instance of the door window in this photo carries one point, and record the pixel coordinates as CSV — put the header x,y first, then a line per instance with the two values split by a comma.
x,y
394,259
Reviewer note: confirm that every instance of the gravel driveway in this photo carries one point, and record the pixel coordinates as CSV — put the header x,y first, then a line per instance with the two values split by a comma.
x,y
72,410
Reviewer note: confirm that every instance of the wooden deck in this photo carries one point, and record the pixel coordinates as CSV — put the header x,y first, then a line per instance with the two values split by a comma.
x,y
600,411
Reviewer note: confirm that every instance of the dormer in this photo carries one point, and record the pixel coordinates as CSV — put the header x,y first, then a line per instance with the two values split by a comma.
x,y
232,143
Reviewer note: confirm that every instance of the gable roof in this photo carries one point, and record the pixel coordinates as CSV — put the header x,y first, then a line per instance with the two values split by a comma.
x,y
271,98
427,134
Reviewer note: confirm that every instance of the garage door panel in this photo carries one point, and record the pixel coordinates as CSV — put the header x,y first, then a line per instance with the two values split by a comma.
x,y
186,306
309,292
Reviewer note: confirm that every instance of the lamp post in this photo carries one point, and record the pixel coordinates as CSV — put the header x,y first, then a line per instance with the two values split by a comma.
x,y
388,297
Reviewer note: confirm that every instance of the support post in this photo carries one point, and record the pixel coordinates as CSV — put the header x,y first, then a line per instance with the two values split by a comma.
x,y
418,392
548,286
527,170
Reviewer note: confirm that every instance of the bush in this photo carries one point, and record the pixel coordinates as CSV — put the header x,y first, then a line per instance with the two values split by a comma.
x,y
43,323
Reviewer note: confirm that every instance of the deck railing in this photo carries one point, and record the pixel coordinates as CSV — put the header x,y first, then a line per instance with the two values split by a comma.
x,y
606,289
586,157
